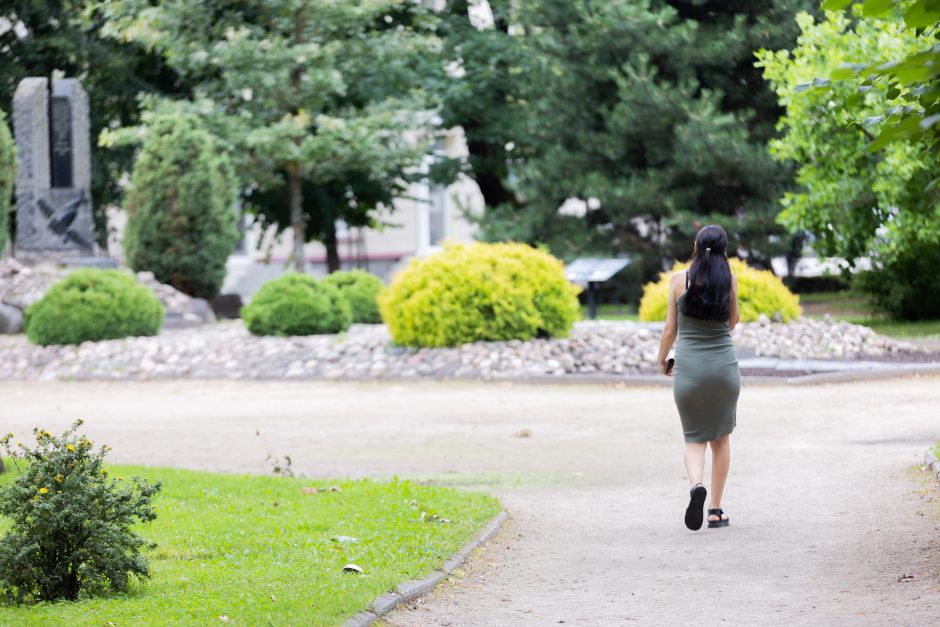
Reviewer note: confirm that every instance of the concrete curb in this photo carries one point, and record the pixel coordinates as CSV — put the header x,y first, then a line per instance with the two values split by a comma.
x,y
656,380
932,464
411,589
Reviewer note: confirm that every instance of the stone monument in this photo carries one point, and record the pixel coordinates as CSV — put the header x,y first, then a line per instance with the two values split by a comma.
x,y
53,184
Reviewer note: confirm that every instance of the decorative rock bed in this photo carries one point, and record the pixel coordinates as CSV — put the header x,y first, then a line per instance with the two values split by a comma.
x,y
227,351
21,286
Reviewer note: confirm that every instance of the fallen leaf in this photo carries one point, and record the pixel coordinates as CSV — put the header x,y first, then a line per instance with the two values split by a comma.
x,y
905,577
352,568
345,539
223,618
523,433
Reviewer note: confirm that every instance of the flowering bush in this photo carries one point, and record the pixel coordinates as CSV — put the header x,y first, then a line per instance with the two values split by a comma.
x,y
71,522
759,292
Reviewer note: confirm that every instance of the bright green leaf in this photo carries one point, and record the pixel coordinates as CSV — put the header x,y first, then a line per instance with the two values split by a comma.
x,y
874,8
835,5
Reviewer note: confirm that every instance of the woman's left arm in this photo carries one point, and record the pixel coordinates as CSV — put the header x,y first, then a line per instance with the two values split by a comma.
x,y
735,314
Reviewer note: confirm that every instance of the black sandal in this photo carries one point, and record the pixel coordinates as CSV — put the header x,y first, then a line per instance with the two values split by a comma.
x,y
723,521
693,513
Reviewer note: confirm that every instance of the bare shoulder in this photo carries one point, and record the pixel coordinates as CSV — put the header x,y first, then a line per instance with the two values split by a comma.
x,y
678,278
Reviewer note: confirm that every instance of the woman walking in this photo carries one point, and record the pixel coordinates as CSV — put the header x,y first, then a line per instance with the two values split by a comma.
x,y
703,310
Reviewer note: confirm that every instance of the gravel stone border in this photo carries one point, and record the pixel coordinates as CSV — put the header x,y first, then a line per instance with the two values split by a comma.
x,y
415,588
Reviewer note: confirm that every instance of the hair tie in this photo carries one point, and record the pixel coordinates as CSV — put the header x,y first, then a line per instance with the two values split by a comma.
x,y
708,250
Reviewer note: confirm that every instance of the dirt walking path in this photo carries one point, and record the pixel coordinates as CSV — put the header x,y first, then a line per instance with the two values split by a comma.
x,y
830,524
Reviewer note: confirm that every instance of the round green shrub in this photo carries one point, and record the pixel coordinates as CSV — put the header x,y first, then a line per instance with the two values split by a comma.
x,y
297,304
759,292
479,292
90,305
905,285
181,220
361,288
7,178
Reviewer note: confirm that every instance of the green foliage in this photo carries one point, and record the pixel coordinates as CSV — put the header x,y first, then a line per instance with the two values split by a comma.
x,y
361,289
854,203
673,136
297,304
8,166
479,292
759,292
71,36
906,286
289,538
71,523
911,78
181,221
90,305
317,132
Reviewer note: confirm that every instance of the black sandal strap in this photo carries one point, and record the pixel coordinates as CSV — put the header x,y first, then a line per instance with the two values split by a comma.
x,y
716,512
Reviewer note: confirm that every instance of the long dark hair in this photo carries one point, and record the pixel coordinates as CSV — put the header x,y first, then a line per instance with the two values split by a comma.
x,y
709,293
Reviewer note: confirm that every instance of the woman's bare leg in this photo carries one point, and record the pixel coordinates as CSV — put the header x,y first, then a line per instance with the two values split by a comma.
x,y
695,461
721,462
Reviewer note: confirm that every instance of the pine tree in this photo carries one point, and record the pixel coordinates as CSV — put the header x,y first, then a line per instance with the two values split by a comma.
x,y
181,222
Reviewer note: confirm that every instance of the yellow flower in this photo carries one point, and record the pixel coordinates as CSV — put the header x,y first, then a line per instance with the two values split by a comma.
x,y
70,447
104,471
58,478
43,491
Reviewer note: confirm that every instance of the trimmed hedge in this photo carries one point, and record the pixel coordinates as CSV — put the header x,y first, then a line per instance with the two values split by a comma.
x,y
297,304
759,292
90,305
8,165
479,292
181,221
361,289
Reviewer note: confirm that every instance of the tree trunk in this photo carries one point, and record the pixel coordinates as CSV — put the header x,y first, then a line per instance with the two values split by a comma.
x,y
298,225
332,250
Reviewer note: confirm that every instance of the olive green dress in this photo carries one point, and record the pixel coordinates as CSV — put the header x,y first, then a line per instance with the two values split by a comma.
x,y
706,381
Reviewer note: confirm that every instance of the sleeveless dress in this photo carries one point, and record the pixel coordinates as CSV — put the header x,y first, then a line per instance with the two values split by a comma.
x,y
706,378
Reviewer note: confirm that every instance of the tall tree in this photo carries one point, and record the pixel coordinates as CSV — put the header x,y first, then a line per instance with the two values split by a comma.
x,y
650,112
43,36
313,94
854,201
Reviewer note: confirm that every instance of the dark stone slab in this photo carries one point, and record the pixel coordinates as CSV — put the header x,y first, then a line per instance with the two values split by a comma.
x,y
53,183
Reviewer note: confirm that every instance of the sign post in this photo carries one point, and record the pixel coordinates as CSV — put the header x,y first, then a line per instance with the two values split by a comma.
x,y
591,272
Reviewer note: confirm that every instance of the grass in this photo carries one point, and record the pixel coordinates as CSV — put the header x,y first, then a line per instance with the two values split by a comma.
x,y
855,307
611,311
259,551
898,328
936,450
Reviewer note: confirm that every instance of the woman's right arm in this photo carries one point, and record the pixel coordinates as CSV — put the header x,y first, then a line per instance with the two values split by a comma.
x,y
671,327
735,314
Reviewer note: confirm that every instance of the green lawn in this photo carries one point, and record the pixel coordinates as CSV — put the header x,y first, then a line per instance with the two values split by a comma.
x,y
608,311
897,329
256,550
854,307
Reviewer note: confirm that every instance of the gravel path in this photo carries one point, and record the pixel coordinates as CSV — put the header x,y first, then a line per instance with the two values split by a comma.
x,y
827,513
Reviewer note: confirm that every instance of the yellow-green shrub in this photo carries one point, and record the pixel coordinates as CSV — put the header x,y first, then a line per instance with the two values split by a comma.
x,y
759,292
479,292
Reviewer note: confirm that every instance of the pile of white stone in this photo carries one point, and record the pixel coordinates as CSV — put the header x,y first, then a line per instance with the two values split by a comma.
x,y
226,350
21,286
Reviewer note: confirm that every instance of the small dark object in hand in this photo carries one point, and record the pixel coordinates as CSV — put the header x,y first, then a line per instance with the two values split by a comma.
x,y
669,364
